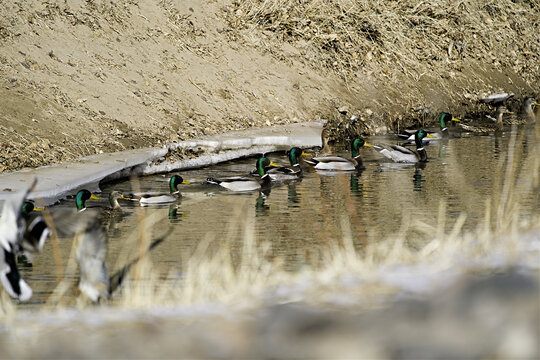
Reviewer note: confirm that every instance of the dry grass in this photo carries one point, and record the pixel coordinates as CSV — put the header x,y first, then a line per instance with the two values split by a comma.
x,y
409,37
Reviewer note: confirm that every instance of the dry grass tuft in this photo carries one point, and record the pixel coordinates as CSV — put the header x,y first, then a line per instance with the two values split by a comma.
x,y
412,37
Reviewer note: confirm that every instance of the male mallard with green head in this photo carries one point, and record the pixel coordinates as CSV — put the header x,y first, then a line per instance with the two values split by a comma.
x,y
286,172
340,163
443,132
81,197
238,184
152,198
401,154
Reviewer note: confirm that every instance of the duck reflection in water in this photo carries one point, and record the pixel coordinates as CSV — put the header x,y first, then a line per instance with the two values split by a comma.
x,y
261,208
418,181
175,216
292,195
357,188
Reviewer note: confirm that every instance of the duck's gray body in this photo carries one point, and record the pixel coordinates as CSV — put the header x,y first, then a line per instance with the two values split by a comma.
x,y
333,163
398,153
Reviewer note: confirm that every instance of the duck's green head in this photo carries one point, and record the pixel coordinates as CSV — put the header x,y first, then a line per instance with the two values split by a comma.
x,y
28,207
294,155
356,145
419,136
446,118
82,196
261,165
176,180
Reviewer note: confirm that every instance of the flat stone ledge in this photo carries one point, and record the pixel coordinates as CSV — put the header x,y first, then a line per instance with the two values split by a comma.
x,y
58,181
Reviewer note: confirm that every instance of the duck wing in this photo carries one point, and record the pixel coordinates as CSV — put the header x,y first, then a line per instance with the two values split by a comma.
x,y
397,153
332,163
12,227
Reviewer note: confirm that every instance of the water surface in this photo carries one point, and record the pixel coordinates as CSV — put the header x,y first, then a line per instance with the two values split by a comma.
x,y
297,219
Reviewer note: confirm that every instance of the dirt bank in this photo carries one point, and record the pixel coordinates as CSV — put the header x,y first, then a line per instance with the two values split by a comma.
x,y
81,77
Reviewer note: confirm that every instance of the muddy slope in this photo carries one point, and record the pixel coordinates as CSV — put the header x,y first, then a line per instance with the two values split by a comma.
x,y
82,77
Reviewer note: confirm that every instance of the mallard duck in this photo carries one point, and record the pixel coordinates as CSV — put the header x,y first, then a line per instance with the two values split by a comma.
x,y
527,111
81,197
35,233
91,247
483,129
443,133
246,184
285,172
12,227
152,198
401,154
340,163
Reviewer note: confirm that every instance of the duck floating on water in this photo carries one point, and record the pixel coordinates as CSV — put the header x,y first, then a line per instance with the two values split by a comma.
x,y
340,163
81,197
239,184
401,154
160,198
527,111
444,132
488,129
285,172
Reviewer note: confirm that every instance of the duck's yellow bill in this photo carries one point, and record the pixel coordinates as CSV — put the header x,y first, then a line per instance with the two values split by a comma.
x,y
37,208
367,144
430,136
304,154
455,119
274,164
186,182
94,197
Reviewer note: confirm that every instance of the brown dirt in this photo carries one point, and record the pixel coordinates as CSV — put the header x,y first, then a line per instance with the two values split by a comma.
x,y
82,77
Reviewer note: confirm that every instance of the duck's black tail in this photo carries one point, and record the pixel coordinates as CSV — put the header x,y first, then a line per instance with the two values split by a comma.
x,y
11,278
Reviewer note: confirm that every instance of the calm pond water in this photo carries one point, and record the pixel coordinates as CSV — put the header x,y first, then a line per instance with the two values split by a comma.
x,y
300,217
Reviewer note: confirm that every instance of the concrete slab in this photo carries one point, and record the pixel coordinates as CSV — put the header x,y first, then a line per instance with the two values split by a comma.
x,y
57,181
